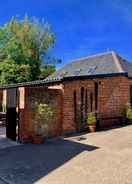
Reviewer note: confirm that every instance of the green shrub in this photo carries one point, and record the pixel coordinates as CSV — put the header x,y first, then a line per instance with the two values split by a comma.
x,y
43,116
124,112
129,113
91,118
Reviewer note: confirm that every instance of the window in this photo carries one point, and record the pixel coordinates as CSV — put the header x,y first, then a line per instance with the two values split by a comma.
x,y
82,104
91,102
92,70
86,104
63,74
77,72
96,95
75,104
131,96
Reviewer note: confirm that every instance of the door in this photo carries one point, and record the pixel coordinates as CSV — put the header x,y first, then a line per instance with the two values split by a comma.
x,y
80,109
11,115
11,123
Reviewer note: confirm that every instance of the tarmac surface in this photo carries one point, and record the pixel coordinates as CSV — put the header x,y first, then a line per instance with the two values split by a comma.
x,y
103,157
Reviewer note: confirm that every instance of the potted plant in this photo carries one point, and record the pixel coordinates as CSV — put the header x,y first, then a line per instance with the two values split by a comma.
x,y
91,121
43,115
129,114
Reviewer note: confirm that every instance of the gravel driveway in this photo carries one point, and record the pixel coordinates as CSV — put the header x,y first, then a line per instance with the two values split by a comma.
x,y
99,158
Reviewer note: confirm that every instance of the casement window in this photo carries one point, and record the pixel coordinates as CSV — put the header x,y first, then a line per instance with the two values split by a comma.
x,y
96,95
131,95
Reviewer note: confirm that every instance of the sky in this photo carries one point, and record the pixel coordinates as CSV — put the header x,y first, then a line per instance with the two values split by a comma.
x,y
82,27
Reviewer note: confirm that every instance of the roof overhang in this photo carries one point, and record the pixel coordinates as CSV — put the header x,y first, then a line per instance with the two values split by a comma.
x,y
29,84
125,74
58,81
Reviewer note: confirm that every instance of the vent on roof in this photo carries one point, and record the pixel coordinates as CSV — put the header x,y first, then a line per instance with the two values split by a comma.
x,y
92,70
77,72
63,74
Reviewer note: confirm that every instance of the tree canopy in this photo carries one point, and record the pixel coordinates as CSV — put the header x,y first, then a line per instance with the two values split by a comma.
x,y
23,48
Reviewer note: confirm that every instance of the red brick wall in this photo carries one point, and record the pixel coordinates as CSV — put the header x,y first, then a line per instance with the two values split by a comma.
x,y
1,99
113,96
25,133
27,113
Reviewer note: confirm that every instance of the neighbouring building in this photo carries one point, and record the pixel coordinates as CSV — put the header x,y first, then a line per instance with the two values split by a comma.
x,y
100,83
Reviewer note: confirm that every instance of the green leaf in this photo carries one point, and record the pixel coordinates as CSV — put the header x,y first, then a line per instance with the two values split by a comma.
x,y
23,47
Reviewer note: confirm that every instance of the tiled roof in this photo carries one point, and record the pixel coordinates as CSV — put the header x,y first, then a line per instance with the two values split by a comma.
x,y
32,83
97,65
126,65
105,64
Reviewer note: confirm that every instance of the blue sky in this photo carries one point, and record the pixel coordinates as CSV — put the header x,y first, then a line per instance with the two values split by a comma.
x,y
82,27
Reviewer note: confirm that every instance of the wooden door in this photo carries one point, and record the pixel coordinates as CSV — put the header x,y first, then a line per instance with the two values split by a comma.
x,y
11,114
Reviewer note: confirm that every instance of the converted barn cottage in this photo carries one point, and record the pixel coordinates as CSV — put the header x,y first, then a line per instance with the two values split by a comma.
x,y
100,83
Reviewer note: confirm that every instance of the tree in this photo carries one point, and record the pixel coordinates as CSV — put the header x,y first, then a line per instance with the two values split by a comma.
x,y
10,71
46,70
23,48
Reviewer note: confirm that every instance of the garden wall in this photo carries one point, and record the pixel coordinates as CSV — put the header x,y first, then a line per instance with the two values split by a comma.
x,y
28,97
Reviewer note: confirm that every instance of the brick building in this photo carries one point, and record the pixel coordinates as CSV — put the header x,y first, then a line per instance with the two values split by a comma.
x,y
100,83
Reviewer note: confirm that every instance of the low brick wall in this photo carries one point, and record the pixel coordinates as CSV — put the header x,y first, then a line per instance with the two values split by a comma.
x,y
26,115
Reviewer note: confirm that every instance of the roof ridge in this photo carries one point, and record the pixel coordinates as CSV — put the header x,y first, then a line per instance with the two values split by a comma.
x,y
117,62
91,56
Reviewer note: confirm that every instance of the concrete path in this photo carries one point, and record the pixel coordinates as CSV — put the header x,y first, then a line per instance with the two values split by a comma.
x,y
98,158
4,142
2,132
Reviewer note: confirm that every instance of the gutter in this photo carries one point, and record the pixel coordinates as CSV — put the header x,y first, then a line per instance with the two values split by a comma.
x,y
125,74
55,81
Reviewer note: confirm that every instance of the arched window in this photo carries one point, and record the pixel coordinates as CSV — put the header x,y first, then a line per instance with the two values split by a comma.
x,y
86,104
82,104
131,95
96,95
91,102
75,105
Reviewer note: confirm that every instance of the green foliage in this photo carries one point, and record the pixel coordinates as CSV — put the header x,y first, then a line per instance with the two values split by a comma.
x,y
23,47
129,112
123,112
46,70
43,115
44,112
91,119
12,72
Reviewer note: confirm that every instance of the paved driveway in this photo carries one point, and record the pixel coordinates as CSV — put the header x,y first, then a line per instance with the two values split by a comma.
x,y
4,142
98,158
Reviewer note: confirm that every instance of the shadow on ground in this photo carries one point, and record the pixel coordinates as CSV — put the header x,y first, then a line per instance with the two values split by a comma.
x,y
29,163
114,127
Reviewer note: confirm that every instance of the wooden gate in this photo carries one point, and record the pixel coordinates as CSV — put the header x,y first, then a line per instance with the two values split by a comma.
x,y
11,114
